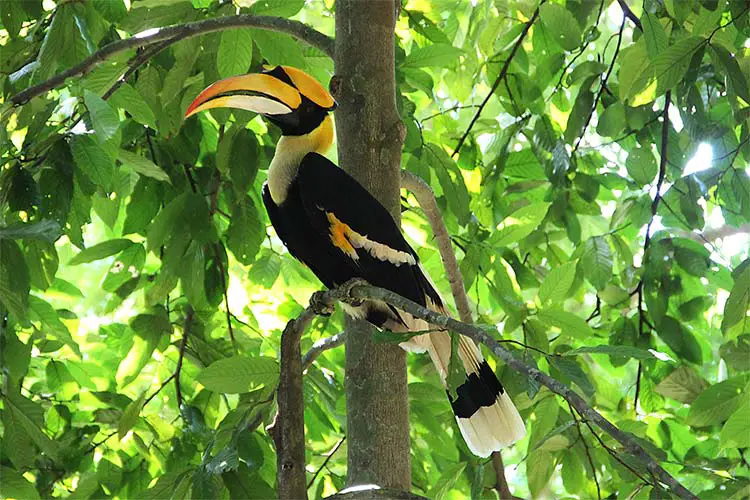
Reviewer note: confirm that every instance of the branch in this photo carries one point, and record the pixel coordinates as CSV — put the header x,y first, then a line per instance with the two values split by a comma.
x,y
426,199
288,428
183,344
320,347
630,15
603,86
716,233
325,462
357,291
501,484
500,77
647,240
174,34
588,452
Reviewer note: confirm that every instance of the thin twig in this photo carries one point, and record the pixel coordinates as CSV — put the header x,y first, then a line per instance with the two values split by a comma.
x,y
185,331
325,462
647,240
602,86
614,454
138,61
588,452
174,34
320,347
500,77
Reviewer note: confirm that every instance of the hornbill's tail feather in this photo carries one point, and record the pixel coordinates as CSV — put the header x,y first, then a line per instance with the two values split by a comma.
x,y
486,416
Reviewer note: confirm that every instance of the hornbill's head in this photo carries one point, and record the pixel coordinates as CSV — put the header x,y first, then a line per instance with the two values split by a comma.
x,y
286,96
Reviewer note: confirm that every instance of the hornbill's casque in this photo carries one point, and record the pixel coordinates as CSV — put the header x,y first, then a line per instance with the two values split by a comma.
x,y
340,231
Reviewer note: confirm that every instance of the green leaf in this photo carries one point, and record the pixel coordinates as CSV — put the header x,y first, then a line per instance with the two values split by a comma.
x,y
738,303
235,52
243,160
520,224
279,48
150,329
568,323
596,262
737,353
448,478
265,270
130,416
736,430
112,10
732,70
41,310
14,484
574,372
126,266
143,166
679,339
654,35
103,117
14,279
145,202
612,121
93,160
562,25
185,54
161,228
667,69
557,283
239,374
524,165
12,17
64,44
717,403
129,99
634,62
641,165
572,472
623,351
246,231
281,8
451,180
579,115
539,468
28,416
43,230
101,251
437,55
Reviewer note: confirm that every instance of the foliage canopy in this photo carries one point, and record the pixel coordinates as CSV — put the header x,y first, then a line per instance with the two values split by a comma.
x,y
592,203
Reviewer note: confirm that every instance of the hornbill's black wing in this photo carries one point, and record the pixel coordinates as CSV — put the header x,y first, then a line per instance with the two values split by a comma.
x,y
361,229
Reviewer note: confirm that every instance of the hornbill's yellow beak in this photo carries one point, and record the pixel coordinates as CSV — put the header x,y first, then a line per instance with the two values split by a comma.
x,y
281,93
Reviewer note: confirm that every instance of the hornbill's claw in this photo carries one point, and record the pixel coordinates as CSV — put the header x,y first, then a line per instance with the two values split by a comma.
x,y
321,304
346,291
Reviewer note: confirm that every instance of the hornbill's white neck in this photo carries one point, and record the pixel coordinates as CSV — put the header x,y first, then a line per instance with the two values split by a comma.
x,y
290,151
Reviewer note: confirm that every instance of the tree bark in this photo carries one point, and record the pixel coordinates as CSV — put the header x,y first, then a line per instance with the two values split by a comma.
x,y
370,136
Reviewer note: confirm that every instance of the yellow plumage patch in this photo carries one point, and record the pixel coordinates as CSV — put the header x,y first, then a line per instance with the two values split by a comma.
x,y
339,233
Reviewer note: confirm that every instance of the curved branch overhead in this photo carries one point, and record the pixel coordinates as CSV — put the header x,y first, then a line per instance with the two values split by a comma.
x,y
174,34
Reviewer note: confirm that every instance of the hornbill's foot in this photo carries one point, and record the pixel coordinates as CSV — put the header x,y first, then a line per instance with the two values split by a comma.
x,y
321,304
346,291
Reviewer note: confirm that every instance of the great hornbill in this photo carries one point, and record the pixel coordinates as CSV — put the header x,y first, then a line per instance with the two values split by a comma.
x,y
340,231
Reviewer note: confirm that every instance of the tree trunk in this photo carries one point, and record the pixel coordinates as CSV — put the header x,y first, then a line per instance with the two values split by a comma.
x,y
370,136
